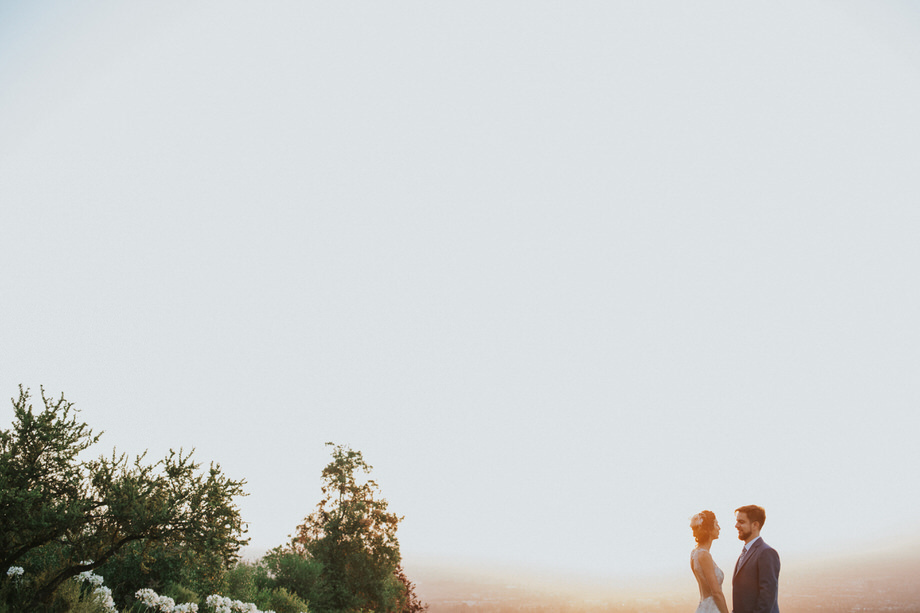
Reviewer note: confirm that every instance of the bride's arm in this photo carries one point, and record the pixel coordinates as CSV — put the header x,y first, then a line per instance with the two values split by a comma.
x,y
709,576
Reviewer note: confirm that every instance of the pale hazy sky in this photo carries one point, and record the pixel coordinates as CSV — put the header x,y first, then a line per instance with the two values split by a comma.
x,y
565,272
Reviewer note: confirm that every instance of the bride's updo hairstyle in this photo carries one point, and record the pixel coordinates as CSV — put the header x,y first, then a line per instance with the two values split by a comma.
x,y
703,525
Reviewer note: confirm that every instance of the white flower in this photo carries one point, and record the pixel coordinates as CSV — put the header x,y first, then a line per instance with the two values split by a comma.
x,y
696,520
146,595
219,603
15,571
165,604
104,595
87,576
215,600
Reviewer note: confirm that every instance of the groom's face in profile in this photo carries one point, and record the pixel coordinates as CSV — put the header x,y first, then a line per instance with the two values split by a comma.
x,y
743,526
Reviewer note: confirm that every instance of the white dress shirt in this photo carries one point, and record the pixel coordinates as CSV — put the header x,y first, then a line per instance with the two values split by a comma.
x,y
747,546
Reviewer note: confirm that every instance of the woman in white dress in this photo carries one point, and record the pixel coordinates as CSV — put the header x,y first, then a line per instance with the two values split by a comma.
x,y
708,575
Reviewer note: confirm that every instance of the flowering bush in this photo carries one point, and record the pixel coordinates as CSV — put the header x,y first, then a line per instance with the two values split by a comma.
x,y
100,592
219,603
104,595
154,601
15,572
222,604
89,577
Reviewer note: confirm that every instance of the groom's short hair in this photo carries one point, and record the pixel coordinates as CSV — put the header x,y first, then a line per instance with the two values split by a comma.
x,y
754,513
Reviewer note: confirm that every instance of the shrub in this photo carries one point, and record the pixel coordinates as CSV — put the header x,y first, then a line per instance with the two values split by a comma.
x,y
181,594
244,580
299,575
71,597
280,600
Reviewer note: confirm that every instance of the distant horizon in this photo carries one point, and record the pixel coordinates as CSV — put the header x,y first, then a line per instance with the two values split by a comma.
x,y
884,552
843,552
797,579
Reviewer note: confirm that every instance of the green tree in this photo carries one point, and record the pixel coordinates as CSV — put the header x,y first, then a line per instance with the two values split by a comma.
x,y
256,584
352,535
161,566
409,601
61,515
298,574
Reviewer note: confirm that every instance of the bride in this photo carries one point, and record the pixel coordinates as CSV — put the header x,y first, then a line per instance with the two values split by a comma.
x,y
708,575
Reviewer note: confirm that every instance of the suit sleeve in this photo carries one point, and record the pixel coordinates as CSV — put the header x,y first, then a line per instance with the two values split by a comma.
x,y
768,582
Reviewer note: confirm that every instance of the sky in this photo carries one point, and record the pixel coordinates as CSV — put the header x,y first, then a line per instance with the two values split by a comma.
x,y
564,273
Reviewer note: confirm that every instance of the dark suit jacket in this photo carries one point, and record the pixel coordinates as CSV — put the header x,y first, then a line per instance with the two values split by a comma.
x,y
755,583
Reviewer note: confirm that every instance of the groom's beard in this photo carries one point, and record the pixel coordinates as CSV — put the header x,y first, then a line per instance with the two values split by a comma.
x,y
744,536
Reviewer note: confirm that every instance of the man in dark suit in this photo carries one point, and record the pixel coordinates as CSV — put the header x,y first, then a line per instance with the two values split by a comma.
x,y
755,583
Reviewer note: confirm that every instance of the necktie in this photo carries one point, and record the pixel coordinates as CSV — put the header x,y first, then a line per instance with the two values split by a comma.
x,y
744,551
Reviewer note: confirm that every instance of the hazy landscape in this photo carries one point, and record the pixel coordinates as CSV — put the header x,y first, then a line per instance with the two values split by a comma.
x,y
860,583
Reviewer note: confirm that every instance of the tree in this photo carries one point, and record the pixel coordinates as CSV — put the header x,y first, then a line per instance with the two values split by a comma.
x,y
353,536
409,601
61,515
295,573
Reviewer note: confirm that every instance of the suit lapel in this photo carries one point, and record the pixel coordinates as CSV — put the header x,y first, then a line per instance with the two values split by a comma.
x,y
750,554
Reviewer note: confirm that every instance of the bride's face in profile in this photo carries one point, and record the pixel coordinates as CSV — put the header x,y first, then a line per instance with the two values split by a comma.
x,y
715,530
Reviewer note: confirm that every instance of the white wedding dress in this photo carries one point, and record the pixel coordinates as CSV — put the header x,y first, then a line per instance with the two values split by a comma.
x,y
708,604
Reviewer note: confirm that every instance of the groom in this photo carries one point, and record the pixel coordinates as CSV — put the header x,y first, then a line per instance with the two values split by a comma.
x,y
756,578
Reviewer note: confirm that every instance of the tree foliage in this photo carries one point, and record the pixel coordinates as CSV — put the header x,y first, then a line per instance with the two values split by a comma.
x,y
352,536
409,600
61,514
257,583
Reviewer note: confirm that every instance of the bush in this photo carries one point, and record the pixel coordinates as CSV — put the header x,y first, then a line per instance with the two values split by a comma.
x,y
240,582
270,583
280,600
137,566
12,591
298,575
70,597
181,594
